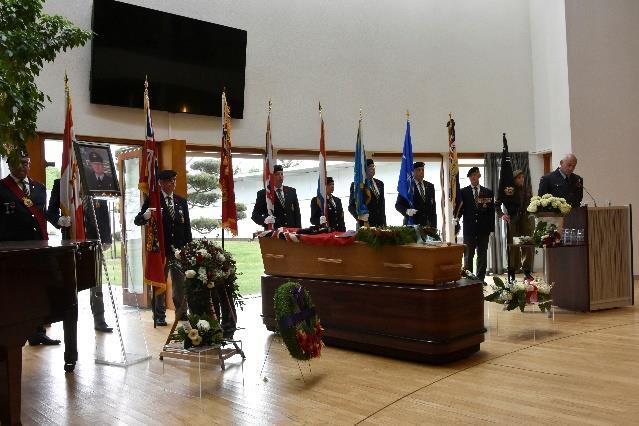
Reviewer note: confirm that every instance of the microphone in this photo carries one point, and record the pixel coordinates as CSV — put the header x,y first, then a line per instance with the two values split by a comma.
x,y
590,195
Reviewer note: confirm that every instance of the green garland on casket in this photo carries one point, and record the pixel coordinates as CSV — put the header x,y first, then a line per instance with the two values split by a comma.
x,y
298,321
395,235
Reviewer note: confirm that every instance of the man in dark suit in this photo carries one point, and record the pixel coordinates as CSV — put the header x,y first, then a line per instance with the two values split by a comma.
x,y
335,210
478,210
374,199
563,182
104,227
424,210
97,179
177,232
286,208
22,218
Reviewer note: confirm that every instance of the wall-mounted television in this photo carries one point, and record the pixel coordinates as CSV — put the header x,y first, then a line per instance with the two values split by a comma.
x,y
188,62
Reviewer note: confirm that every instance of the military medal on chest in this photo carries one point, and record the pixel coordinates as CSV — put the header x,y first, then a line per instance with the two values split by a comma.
x,y
27,201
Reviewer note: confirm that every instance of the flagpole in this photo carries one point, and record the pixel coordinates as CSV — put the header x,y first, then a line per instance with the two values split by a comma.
x,y
221,151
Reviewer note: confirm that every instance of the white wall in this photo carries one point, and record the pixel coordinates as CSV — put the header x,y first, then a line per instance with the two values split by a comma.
x,y
603,70
469,57
550,76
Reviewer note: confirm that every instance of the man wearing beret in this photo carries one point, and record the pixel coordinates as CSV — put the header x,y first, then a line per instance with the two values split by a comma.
x,y
97,179
286,208
424,210
177,232
478,210
563,182
335,210
104,229
519,224
373,197
22,218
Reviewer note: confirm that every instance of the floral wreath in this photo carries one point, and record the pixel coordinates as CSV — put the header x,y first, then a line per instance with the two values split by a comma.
x,y
518,294
396,235
298,321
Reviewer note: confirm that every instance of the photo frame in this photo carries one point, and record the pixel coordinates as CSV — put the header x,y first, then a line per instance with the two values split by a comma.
x,y
97,169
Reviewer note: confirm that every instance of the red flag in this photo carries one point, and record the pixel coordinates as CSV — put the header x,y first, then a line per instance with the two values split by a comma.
x,y
70,201
229,208
154,232
269,163
321,182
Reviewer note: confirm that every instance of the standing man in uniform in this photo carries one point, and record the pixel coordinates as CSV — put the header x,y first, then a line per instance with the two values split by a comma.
x,y
104,227
373,196
478,210
424,210
286,209
177,232
519,224
335,210
22,218
563,182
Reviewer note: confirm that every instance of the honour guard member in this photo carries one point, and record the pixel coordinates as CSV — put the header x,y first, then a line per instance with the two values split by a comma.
x,y
373,196
424,210
335,210
286,209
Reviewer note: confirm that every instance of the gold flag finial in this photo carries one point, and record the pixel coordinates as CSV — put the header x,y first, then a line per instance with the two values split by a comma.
x,y
320,107
407,115
450,115
66,83
360,114
269,104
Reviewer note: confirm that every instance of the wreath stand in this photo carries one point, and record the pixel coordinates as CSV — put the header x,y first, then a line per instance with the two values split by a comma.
x,y
176,349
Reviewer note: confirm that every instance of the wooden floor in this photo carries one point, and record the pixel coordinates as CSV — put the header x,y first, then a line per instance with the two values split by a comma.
x,y
576,369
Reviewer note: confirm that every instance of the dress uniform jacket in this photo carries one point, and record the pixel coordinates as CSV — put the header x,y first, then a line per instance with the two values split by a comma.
x,y
425,206
177,230
571,188
95,184
335,213
376,205
101,214
17,223
288,216
479,218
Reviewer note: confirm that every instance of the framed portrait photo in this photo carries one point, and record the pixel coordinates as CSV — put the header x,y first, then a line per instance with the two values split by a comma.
x,y
97,170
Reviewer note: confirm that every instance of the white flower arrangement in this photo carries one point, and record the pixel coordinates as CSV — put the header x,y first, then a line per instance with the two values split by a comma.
x,y
521,293
548,203
198,331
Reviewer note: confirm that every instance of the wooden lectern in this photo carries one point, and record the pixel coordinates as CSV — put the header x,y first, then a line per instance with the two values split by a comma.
x,y
597,273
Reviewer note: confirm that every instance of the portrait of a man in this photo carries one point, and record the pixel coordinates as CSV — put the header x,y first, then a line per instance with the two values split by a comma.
x,y
99,171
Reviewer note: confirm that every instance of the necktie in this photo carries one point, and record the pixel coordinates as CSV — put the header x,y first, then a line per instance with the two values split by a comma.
x,y
374,188
280,195
25,187
169,205
476,191
421,190
330,201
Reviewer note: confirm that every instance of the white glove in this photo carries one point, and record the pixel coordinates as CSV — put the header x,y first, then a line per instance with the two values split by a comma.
x,y
106,246
411,212
364,217
64,221
269,220
147,214
322,220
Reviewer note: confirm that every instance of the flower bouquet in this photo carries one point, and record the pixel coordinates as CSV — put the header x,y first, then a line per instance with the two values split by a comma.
x,y
546,235
199,331
518,294
549,204
205,266
377,237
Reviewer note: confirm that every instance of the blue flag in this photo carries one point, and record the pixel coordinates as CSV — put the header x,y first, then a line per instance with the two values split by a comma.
x,y
359,181
405,181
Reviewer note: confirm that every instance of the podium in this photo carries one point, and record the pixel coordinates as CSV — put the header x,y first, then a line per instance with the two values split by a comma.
x,y
598,273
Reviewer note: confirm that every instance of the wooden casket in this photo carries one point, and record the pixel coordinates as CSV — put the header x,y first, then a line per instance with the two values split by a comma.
x,y
406,264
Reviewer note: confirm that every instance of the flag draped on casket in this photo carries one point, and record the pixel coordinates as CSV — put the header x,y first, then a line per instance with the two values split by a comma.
x,y
321,180
506,178
70,199
405,181
154,232
359,181
269,163
229,208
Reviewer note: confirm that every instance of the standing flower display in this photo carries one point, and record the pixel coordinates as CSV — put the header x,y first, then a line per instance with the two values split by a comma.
x,y
198,331
518,294
206,266
548,204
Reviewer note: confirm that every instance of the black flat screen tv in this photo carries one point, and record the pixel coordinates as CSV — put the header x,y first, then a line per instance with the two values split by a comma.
x,y
188,62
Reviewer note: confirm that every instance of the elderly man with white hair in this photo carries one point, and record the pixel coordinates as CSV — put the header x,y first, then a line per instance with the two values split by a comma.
x,y
563,182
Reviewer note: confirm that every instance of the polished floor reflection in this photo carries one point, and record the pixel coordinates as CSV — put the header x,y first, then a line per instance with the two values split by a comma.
x,y
577,368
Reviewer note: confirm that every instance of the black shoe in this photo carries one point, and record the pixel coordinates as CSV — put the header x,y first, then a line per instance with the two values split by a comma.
x,y
161,323
42,339
102,326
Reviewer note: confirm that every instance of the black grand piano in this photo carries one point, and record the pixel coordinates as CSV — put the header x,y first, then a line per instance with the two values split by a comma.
x,y
39,284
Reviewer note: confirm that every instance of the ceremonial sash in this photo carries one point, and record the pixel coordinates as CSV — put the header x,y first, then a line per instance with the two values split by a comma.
x,y
36,212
